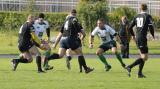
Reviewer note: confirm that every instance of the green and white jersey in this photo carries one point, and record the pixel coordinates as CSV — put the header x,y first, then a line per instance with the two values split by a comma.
x,y
40,28
104,34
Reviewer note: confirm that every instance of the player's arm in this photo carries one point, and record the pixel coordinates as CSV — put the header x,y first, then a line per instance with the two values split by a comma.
x,y
151,28
35,39
57,39
82,34
131,29
91,38
48,34
59,36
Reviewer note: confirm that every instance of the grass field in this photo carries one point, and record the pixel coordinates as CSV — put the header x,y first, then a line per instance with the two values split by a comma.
x,y
8,44
26,76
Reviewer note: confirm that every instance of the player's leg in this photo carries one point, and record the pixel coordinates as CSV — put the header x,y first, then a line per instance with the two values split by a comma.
x,y
46,55
99,53
68,58
114,50
81,60
34,51
27,58
144,56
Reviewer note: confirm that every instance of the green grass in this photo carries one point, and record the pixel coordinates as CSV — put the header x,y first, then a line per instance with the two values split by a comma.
x,y
60,78
8,44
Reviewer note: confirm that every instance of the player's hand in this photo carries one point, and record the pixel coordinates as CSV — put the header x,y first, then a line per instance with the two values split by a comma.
x,y
54,46
91,46
43,47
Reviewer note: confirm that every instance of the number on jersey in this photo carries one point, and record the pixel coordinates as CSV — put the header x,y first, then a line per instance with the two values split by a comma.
x,y
139,22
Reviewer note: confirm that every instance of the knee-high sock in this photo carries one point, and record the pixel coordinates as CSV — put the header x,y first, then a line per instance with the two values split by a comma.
x,y
82,62
38,61
137,62
22,60
141,65
103,59
47,54
119,58
53,56
69,58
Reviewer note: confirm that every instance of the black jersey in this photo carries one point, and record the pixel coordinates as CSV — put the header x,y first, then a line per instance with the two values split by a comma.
x,y
71,27
142,22
25,38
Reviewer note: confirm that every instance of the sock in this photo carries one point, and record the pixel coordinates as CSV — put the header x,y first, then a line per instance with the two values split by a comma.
x,y
82,62
22,60
38,61
138,61
141,67
47,53
53,56
103,59
69,58
119,58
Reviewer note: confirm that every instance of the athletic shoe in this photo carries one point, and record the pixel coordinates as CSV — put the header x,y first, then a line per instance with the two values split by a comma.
x,y
123,65
41,71
89,70
68,64
108,67
129,71
14,64
141,76
48,67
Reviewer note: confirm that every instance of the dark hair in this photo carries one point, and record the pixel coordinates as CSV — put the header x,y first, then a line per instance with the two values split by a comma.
x,y
143,7
41,15
73,11
102,20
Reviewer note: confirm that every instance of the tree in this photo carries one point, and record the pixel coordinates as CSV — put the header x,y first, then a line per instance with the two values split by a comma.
x,y
89,11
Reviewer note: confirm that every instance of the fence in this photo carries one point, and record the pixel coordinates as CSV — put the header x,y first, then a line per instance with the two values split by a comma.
x,y
67,5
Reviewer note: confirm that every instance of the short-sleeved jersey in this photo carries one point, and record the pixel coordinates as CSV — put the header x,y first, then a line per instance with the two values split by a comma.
x,y
142,22
71,27
40,28
104,34
25,38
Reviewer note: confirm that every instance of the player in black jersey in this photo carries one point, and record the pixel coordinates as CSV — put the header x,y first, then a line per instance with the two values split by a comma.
x,y
142,21
26,44
68,37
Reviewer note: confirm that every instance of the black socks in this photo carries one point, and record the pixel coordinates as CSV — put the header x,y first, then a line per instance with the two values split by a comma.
x,y
138,61
82,62
38,61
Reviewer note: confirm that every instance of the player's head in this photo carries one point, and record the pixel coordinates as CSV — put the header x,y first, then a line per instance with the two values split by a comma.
x,y
41,17
101,23
124,19
73,12
144,7
30,18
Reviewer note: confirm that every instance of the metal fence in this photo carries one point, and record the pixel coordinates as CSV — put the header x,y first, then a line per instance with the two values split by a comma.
x,y
153,5
67,5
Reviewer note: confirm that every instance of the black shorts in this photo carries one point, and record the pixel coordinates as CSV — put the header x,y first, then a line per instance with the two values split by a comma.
x,y
70,43
108,45
142,45
24,48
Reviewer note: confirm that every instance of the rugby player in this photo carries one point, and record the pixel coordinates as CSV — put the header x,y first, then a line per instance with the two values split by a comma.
x,y
105,32
68,37
41,26
27,43
143,23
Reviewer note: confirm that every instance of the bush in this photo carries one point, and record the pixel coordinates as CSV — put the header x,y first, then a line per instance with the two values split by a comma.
x,y
14,20
115,16
89,11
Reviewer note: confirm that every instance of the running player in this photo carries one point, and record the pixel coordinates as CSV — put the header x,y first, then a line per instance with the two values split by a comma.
x,y
41,26
142,21
105,32
68,37
26,44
